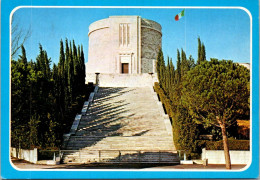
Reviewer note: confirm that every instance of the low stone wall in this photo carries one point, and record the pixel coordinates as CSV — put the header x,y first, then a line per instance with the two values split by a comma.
x,y
123,80
217,156
26,154
74,127
166,117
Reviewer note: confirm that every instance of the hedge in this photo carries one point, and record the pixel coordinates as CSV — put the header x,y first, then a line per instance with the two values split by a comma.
x,y
164,99
184,130
218,145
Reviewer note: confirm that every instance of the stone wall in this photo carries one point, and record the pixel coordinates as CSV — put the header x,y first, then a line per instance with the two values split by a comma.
x,y
151,24
26,154
217,156
123,80
150,44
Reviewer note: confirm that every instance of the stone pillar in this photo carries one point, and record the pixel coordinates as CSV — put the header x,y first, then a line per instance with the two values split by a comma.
x,y
35,155
130,65
97,78
203,154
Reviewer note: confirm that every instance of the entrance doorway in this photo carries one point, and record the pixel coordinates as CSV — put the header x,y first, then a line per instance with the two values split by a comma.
x,y
125,68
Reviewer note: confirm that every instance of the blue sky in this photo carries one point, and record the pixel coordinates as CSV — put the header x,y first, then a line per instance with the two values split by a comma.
x,y
225,32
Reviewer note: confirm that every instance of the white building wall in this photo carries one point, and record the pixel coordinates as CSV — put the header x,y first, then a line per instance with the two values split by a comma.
x,y
26,154
123,39
217,156
99,51
123,80
109,40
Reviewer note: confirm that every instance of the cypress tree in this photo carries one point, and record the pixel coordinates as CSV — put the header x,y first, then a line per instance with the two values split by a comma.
x,y
178,75
82,67
199,51
55,77
22,57
70,74
38,112
47,62
160,68
43,96
172,69
20,85
79,70
40,61
34,130
168,76
66,65
75,69
62,88
75,59
23,68
168,64
184,63
158,62
203,53
191,62
61,60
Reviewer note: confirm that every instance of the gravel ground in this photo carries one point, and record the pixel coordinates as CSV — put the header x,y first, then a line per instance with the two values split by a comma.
x,y
22,164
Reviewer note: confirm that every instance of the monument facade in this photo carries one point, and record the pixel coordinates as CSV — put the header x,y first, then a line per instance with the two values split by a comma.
x,y
123,45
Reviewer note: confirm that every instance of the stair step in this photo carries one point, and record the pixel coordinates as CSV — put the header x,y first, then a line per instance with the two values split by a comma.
x,y
126,119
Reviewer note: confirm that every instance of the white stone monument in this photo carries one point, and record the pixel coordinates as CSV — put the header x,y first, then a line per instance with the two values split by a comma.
x,y
123,50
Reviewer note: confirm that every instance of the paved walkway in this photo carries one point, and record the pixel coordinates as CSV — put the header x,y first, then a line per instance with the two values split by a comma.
x,y
26,165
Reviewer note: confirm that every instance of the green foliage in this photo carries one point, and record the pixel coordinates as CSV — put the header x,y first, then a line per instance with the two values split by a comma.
x,y
160,67
198,96
45,100
184,129
164,99
216,92
218,145
33,130
178,74
201,52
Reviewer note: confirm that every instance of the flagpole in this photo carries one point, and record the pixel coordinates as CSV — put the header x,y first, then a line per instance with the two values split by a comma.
x,y
185,30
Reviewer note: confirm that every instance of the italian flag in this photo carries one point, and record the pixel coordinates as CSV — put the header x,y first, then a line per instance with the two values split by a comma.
x,y
179,16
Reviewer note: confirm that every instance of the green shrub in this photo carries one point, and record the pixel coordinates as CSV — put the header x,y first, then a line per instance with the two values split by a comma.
x,y
218,145
184,129
164,99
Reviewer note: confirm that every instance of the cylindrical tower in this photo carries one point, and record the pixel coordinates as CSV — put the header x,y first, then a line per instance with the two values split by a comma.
x,y
151,40
99,47
123,45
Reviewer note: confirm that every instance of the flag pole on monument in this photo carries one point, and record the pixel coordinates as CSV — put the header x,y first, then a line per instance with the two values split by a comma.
x,y
177,18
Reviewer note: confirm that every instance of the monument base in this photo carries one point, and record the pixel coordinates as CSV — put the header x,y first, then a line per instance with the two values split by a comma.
x,y
122,80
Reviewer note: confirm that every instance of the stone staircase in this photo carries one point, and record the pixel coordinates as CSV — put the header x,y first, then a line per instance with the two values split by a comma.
x,y
123,125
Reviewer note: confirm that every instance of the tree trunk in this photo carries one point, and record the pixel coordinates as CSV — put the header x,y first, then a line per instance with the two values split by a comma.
x,y
226,148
